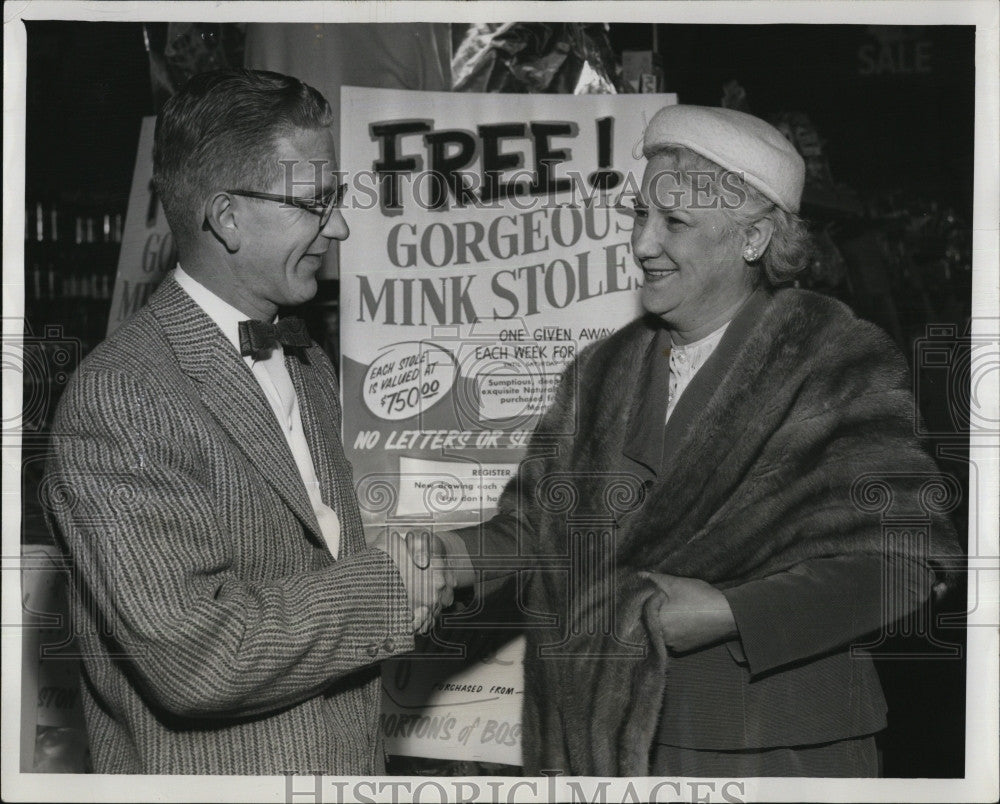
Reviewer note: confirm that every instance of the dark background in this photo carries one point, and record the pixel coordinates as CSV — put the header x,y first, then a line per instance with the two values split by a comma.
x,y
89,87
893,106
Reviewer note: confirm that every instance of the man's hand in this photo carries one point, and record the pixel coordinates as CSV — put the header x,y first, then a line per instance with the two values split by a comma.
x,y
429,582
428,552
687,614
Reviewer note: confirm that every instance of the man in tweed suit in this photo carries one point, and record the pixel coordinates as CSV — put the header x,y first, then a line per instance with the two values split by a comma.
x,y
231,616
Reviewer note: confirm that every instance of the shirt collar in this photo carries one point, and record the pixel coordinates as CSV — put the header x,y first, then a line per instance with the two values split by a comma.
x,y
226,317
712,338
697,352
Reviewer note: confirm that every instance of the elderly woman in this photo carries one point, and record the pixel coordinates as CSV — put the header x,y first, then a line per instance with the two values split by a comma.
x,y
710,469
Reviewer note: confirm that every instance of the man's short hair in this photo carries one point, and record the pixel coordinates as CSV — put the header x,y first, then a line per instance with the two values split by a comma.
x,y
220,132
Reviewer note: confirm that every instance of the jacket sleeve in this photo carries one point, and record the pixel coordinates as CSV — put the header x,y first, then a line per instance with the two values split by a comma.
x,y
822,605
129,504
853,418
489,550
506,542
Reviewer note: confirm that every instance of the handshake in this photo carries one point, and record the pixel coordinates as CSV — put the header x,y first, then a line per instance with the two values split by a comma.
x,y
422,561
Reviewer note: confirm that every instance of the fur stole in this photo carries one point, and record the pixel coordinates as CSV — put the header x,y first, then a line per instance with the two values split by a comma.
x,y
770,472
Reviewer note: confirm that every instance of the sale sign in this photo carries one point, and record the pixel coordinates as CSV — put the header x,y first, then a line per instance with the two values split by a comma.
x,y
489,245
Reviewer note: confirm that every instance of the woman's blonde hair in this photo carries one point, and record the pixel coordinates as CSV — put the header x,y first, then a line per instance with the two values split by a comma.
x,y
790,246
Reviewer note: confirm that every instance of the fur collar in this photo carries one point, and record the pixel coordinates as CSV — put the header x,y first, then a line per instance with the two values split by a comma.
x,y
796,409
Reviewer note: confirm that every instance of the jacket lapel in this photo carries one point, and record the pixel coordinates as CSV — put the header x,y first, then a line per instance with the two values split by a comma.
x,y
649,442
707,423
644,437
318,416
706,381
231,393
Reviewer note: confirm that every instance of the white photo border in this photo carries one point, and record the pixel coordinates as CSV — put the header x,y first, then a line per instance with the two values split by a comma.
x,y
982,703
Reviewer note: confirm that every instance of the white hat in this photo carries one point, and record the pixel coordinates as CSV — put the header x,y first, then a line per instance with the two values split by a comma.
x,y
736,141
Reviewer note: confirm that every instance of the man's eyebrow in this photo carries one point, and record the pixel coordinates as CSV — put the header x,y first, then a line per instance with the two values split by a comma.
x,y
325,190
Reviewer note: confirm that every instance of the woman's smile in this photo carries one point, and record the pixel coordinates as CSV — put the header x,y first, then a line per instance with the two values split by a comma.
x,y
656,274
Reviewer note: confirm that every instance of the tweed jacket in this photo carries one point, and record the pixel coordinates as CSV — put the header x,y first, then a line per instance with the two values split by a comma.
x,y
218,633
757,484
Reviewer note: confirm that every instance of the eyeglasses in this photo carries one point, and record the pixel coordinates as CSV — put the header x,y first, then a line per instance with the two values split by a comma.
x,y
323,206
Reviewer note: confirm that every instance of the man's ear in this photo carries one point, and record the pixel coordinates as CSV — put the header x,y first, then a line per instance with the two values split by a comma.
x,y
220,219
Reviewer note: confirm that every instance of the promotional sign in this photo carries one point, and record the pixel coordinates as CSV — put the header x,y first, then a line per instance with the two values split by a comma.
x,y
443,709
489,245
147,251
53,739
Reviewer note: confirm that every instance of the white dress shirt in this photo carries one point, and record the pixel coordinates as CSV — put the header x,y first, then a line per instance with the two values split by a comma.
x,y
272,375
685,360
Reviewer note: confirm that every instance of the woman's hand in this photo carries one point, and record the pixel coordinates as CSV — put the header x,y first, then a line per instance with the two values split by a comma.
x,y
687,614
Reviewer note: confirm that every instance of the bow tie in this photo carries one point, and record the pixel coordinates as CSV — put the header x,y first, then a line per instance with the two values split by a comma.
x,y
261,336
